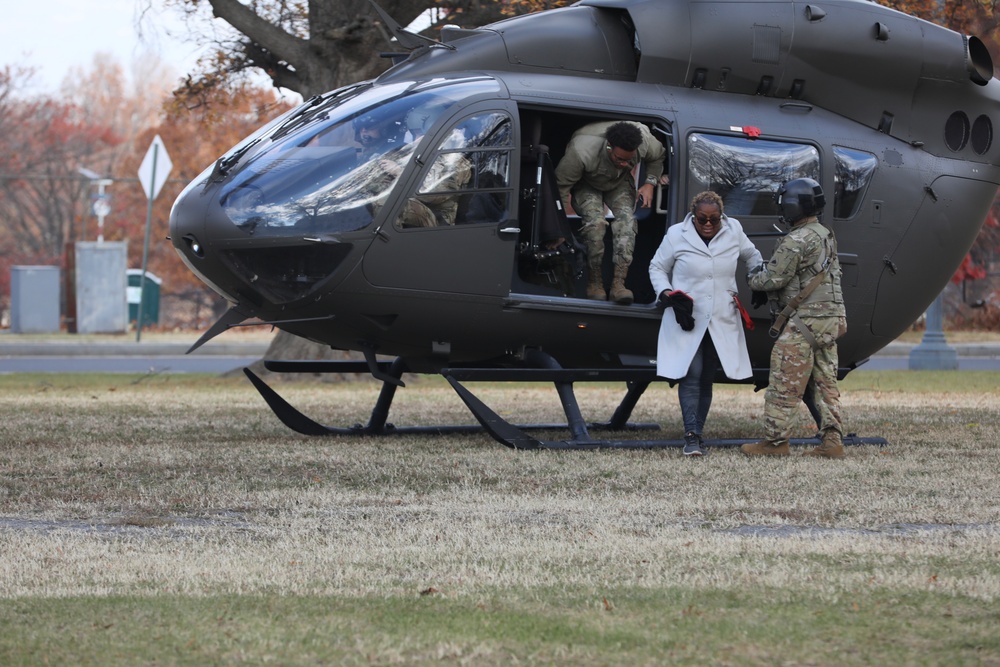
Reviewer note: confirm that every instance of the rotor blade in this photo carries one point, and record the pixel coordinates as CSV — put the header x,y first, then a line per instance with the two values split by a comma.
x,y
406,39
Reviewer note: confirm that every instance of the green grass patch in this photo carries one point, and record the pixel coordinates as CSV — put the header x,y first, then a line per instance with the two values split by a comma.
x,y
172,520
676,626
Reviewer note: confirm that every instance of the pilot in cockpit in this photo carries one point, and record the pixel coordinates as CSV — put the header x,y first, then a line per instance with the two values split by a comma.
x,y
377,133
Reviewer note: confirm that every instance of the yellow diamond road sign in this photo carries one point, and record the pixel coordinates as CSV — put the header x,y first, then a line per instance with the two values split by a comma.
x,y
155,168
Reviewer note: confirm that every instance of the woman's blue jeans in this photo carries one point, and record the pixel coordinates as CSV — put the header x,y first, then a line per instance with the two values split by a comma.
x,y
694,391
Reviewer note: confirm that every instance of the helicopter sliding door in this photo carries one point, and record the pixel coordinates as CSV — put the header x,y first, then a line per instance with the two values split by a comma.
x,y
448,232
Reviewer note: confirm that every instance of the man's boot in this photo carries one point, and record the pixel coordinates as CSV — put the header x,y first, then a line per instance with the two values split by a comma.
x,y
595,285
832,446
766,448
619,293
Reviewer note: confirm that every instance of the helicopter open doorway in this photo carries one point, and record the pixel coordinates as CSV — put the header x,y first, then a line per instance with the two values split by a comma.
x,y
552,269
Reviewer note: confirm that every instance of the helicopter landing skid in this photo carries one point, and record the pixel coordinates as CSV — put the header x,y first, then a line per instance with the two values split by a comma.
x,y
390,374
510,435
516,438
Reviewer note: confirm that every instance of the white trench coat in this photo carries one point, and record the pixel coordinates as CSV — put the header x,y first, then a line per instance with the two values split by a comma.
x,y
707,273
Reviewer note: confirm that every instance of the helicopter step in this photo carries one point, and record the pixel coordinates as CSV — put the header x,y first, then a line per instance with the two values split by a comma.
x,y
510,435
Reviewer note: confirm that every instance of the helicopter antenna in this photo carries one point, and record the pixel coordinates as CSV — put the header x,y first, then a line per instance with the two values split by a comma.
x,y
406,39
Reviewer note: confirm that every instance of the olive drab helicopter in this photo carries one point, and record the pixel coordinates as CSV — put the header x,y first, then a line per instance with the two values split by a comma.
x,y
430,251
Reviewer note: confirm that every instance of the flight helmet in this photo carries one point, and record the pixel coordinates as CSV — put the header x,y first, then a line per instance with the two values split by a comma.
x,y
390,128
800,198
420,118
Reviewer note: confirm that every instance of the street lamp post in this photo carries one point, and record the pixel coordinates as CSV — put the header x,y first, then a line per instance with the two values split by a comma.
x,y
934,353
101,206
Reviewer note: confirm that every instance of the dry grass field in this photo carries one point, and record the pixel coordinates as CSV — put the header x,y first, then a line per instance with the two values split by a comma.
x,y
172,520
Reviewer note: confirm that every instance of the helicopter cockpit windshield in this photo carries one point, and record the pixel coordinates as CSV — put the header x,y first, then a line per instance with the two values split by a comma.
x,y
329,169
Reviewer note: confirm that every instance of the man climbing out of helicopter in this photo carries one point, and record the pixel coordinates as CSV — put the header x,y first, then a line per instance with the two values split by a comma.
x,y
597,170
803,278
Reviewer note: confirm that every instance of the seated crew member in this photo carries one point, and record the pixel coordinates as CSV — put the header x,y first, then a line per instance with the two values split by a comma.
x,y
448,175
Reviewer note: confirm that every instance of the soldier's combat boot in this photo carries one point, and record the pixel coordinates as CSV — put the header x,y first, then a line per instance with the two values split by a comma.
x,y
620,293
766,448
832,446
595,286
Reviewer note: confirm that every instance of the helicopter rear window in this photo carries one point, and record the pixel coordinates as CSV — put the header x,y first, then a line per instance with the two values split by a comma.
x,y
746,173
854,171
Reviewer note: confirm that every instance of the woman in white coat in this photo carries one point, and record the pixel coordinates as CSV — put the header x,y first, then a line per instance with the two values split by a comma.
x,y
694,274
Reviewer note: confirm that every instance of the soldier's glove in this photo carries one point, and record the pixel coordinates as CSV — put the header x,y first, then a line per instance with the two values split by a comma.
x,y
683,306
757,298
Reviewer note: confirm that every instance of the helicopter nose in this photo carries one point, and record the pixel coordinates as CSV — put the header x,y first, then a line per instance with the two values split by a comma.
x,y
186,223
239,250
192,236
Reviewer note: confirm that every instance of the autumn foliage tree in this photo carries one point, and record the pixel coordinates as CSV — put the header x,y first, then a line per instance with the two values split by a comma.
x,y
310,46
103,126
43,198
194,139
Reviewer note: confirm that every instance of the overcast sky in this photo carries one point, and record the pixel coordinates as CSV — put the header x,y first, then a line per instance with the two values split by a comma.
x,y
56,35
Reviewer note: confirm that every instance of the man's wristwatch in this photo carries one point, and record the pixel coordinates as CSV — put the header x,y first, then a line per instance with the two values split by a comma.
x,y
652,180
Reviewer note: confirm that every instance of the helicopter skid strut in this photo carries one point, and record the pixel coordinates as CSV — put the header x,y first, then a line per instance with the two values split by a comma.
x,y
510,435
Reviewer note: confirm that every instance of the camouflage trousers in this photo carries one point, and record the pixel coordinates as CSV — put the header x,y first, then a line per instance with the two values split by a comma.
x,y
794,363
589,204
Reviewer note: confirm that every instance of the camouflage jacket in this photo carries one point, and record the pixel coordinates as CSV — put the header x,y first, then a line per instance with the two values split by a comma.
x,y
800,255
587,160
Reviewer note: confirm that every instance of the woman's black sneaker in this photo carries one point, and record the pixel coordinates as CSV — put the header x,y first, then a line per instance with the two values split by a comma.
x,y
693,446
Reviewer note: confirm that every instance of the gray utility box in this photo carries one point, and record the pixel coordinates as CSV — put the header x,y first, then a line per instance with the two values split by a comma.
x,y
34,299
101,305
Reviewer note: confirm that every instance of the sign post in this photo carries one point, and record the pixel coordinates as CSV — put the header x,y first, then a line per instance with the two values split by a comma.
x,y
153,174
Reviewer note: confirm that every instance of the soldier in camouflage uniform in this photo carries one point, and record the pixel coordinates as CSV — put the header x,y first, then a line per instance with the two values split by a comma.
x,y
436,202
595,171
806,348
448,176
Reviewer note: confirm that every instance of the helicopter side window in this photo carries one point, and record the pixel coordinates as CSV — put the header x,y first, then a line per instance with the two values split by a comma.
x,y
746,173
468,179
332,166
853,173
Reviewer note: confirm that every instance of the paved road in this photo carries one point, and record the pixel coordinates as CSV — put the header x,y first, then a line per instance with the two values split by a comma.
x,y
120,356
157,359
887,363
215,364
